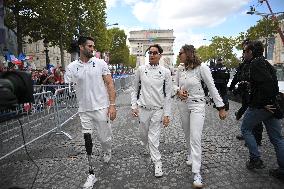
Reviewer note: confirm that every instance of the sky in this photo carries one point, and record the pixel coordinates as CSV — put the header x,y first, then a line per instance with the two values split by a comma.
x,y
193,21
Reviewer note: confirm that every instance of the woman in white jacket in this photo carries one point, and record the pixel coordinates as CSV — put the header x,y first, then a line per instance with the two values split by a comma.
x,y
191,102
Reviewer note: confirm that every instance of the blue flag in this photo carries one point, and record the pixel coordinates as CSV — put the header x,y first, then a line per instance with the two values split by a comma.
x,y
22,56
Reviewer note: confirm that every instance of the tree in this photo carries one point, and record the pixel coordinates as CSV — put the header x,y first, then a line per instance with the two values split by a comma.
x,y
19,18
265,27
58,21
69,19
132,61
119,52
220,47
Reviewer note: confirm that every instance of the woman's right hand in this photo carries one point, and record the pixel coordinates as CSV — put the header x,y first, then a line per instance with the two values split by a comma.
x,y
182,94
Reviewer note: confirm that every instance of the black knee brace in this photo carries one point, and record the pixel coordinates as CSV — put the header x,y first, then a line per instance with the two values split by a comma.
x,y
88,143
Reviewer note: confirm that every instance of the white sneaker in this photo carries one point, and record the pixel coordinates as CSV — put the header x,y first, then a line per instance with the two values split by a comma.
x,y
197,181
107,157
158,169
91,180
189,160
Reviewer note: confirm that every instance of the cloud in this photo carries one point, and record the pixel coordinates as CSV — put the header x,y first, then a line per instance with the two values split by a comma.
x,y
184,16
111,3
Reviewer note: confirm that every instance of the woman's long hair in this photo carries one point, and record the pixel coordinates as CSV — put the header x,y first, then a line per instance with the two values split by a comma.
x,y
192,60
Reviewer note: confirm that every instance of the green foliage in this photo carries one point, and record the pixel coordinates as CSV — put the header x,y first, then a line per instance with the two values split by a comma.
x,y
132,61
119,52
58,21
264,27
19,18
220,47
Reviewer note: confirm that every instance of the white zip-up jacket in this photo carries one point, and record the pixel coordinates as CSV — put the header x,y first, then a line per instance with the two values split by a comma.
x,y
190,80
90,88
152,93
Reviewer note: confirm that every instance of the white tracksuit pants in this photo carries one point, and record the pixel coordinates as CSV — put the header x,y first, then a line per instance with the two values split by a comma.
x,y
98,119
150,129
192,118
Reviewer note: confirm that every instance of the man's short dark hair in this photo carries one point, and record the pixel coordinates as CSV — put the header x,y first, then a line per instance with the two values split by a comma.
x,y
82,40
246,41
157,46
249,45
258,49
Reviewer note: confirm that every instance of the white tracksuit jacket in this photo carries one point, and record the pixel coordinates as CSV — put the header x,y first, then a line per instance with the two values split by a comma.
x,y
192,110
152,104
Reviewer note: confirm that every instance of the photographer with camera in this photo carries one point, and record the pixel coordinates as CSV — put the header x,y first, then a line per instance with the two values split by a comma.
x,y
243,90
263,92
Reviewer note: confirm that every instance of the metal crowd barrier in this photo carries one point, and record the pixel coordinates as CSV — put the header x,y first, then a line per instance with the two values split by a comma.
x,y
123,83
50,111
44,88
45,116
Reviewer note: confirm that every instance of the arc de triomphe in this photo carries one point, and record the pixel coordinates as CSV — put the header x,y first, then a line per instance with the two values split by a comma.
x,y
142,39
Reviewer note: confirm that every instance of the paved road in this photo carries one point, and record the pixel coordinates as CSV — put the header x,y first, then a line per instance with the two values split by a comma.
x,y
63,165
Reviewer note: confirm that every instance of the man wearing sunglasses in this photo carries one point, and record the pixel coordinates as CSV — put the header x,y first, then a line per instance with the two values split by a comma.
x,y
243,89
151,102
96,99
263,91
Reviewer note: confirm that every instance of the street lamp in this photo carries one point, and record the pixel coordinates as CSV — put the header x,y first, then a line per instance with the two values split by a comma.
x,y
265,16
46,44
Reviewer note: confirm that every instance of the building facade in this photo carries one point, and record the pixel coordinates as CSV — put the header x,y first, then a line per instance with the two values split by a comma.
x,y
278,48
142,39
38,52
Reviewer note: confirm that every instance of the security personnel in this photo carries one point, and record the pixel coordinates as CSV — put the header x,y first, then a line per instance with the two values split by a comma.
x,y
221,76
151,102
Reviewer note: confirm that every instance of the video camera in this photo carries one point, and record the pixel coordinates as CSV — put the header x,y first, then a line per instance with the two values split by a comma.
x,y
15,88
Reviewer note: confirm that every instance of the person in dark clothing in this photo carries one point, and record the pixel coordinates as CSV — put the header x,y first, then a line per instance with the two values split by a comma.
x,y
263,90
243,91
221,76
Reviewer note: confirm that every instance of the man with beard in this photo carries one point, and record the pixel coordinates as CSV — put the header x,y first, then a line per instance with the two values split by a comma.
x,y
96,99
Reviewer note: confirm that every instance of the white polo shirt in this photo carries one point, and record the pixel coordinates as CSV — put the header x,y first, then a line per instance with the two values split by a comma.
x,y
89,84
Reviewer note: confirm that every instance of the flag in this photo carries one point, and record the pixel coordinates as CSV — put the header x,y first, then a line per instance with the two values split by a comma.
x,y
7,57
27,107
14,60
29,58
22,57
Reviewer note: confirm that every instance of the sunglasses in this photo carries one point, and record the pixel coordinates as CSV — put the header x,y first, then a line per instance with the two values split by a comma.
x,y
90,46
245,50
153,52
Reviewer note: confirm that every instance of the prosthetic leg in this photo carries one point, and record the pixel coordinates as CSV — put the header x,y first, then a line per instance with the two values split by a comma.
x,y
89,146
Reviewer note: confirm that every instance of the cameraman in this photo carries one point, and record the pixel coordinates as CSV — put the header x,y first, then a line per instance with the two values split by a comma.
x,y
221,76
